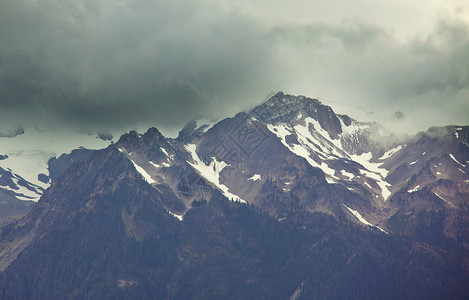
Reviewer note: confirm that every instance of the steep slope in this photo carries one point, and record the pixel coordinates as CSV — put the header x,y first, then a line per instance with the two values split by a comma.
x,y
323,162
14,195
293,153
288,200
95,232
101,231
430,175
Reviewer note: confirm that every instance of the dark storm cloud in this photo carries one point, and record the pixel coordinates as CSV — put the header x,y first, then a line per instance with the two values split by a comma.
x,y
118,64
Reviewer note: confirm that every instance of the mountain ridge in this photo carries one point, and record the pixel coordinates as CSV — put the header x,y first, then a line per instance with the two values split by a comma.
x,y
223,190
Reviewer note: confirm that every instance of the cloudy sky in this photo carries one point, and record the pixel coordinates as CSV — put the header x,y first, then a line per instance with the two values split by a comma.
x,y
123,64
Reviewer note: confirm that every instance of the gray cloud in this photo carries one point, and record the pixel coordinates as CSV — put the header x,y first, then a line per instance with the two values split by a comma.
x,y
113,64
117,64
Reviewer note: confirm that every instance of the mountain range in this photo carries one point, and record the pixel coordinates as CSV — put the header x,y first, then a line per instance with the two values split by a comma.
x,y
286,201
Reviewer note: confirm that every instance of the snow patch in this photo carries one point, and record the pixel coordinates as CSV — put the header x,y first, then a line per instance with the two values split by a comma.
x,y
319,142
282,131
29,153
179,217
164,151
211,172
374,172
451,204
255,177
361,219
142,172
23,193
453,158
139,169
414,189
391,152
33,192
321,137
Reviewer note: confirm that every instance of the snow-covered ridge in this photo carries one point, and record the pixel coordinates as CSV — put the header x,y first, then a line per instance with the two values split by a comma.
x,y
374,171
29,153
313,138
305,148
20,191
139,169
211,172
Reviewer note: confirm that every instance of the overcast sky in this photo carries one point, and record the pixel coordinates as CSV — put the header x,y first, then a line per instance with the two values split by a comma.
x,y
123,64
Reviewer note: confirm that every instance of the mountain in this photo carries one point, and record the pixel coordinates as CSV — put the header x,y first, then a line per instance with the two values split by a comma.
x,y
287,201
25,163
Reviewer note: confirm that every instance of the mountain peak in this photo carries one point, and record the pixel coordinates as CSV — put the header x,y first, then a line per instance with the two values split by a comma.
x,y
150,216
283,108
153,132
282,104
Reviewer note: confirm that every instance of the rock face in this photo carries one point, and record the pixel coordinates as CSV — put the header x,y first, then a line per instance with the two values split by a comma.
x,y
286,200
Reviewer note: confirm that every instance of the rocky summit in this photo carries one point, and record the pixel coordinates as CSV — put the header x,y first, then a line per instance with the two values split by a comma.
x,y
286,201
